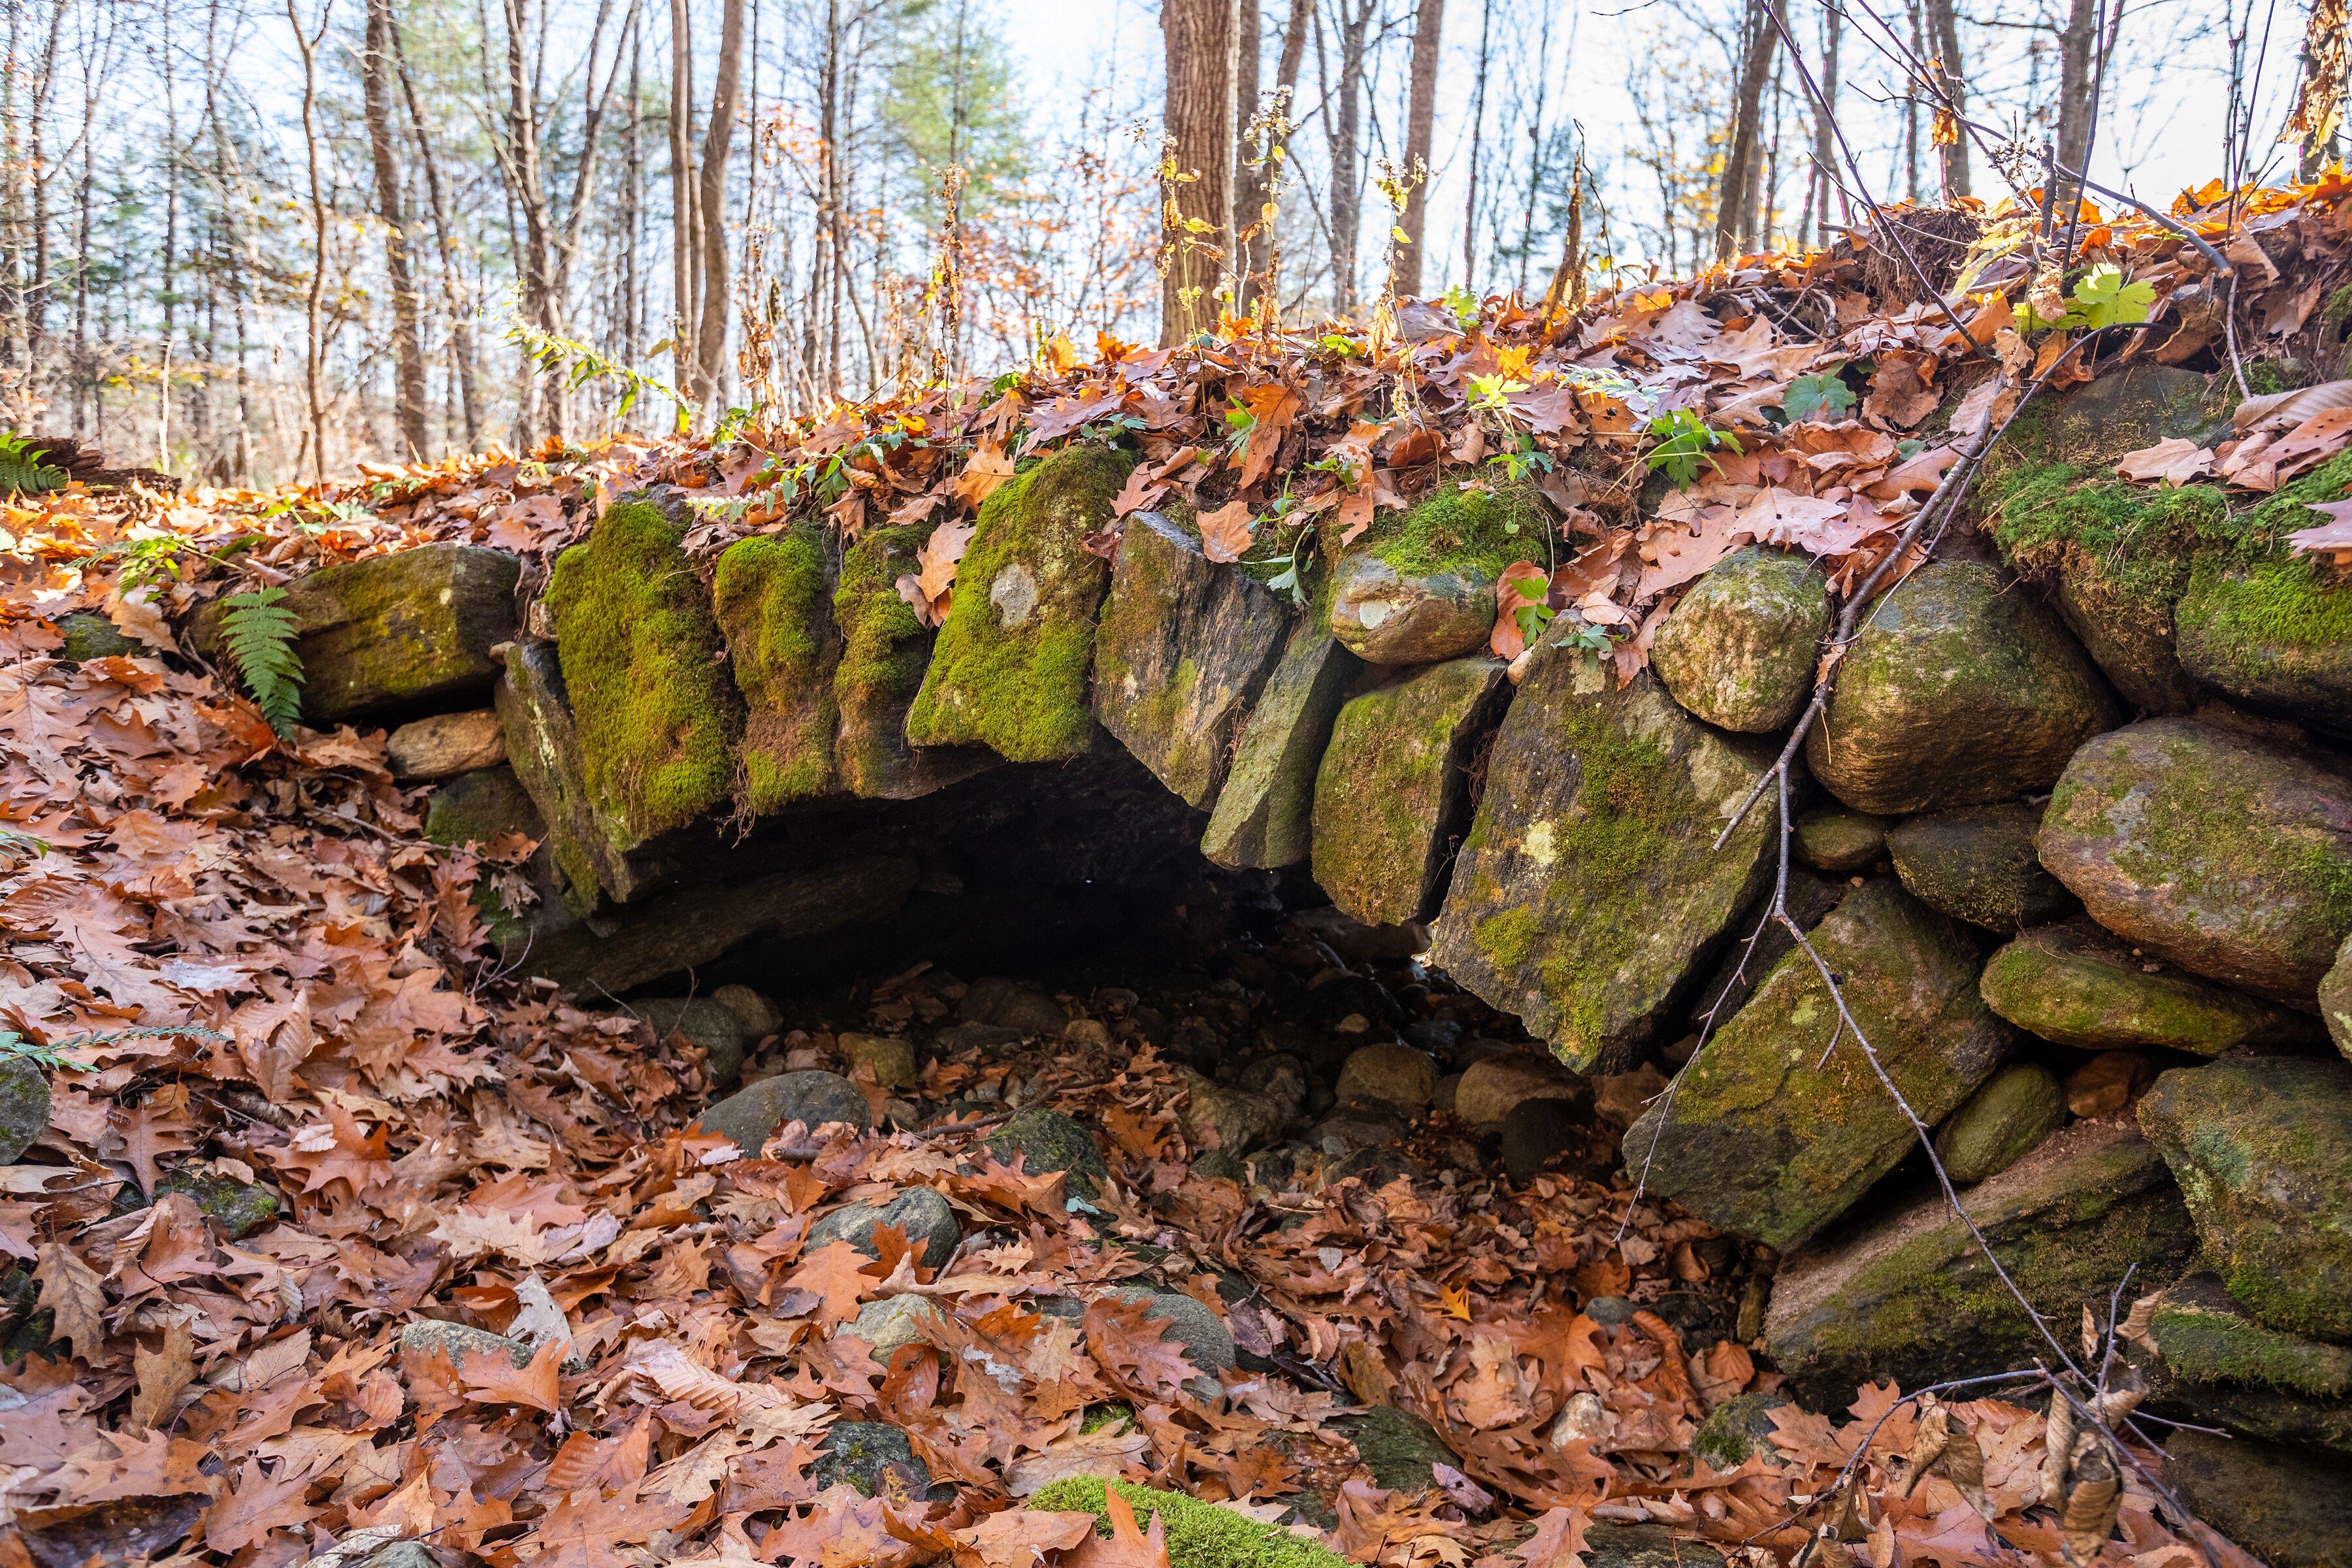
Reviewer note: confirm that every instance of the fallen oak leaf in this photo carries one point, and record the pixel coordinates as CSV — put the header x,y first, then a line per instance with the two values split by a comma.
x,y
1557,1542
1018,1537
260,1505
1226,533
492,1377
2172,461
982,473
1127,1546
72,1288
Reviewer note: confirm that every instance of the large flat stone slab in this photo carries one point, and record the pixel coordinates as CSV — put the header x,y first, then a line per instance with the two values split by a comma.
x,y
1265,813
1590,890
2078,984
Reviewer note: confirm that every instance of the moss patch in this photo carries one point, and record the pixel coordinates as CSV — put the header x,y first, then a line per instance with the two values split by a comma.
x,y
640,655
2206,1337
772,602
1199,1534
1451,528
1011,668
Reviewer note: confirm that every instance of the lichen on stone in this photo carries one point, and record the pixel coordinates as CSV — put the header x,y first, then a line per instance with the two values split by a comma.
x,y
640,655
774,604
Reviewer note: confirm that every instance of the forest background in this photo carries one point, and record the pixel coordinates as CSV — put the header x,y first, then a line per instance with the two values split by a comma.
x,y
250,241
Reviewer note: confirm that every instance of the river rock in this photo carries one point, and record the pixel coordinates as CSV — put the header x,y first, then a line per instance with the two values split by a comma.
x,y
2225,854
891,1058
708,1022
1492,1086
1398,1075
1193,1324
2292,1508
1242,1120
446,745
1265,813
1738,648
2004,1121
90,635
2274,635
406,632
2262,1149
1832,838
1394,786
2079,985
1010,670
24,1106
894,1322
874,1456
1182,648
928,1222
239,1208
1008,1005
1400,1448
479,807
1976,864
427,1336
1045,1141
751,1116
1589,886
1764,1138
759,1016
1386,616
1909,1296
1740,1427
1960,690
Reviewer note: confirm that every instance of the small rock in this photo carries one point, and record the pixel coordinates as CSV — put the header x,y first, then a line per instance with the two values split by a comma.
x,y
892,1058
1395,1074
445,745
749,1116
2001,1122
874,1456
2077,984
238,1207
1357,943
1375,1166
1740,1427
1088,1033
1398,1447
706,1021
1385,617
1221,1166
1441,1038
1492,1087
760,1016
1193,1324
2109,1084
1357,1124
476,808
1279,1075
1976,864
90,635
1008,1005
1644,1546
1620,1099
893,1322
24,1106
2292,1508
1834,839
1738,648
1240,1119
1583,1419
458,1340
1046,1140
1537,1131
928,1222
1610,1311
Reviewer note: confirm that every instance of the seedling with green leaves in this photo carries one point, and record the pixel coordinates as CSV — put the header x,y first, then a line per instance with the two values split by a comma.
x,y
1683,442
2100,298
1820,396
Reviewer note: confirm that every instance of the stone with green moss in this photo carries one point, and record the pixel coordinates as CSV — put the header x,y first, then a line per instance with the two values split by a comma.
x,y
2276,635
1419,586
1772,1133
1832,838
651,705
2007,1116
1644,1546
772,596
478,806
884,651
1011,666
1264,813
24,1106
1976,864
750,1116
1197,1534
239,1208
2290,1507
874,1456
2336,998
1910,1296
89,636
1739,1429
1960,690
1739,648
543,753
2262,1150
407,632
704,1020
2079,985
1393,786
1590,885
2204,1336
1183,648
1400,1448
1045,1141
2225,853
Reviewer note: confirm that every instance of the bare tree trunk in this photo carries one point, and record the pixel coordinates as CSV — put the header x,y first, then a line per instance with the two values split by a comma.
x,y
407,340
521,163
633,173
2319,103
711,201
1420,128
1255,184
1951,80
461,328
37,285
1249,26
684,235
2077,43
1735,208
1198,37
312,347
1347,158
1478,136
1825,180
171,260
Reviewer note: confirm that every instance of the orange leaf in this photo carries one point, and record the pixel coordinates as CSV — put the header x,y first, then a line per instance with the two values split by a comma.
x,y
1125,1546
492,1377
987,467
1226,533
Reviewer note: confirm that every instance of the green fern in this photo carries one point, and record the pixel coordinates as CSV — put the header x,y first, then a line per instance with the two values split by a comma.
x,y
259,633
22,470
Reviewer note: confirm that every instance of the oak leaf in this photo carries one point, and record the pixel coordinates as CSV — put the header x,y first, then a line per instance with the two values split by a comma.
x,y
162,1373
260,1505
1018,1537
72,1288
1125,1546
492,1377
1226,533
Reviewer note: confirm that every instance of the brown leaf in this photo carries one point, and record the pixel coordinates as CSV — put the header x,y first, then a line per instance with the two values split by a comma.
x,y
2094,1493
1226,533
982,473
2172,461
258,1505
72,1288
492,1377
162,1374
941,555
1559,1540
1016,1537
1125,1546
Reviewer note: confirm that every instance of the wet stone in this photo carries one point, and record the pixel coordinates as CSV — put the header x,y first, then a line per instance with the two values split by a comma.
x,y
1832,838
1978,864
874,1456
924,1216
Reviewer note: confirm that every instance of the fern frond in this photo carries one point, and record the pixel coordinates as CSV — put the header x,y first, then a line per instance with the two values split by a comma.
x,y
259,632
22,469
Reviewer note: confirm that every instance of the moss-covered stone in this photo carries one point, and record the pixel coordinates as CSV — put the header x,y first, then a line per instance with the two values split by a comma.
x,y
1738,1428
749,1116
1590,885
1773,1133
1419,586
1976,864
705,1020
1044,1141
2225,854
89,636
1644,1546
889,1058
2079,985
1199,1534
1832,838
1398,1448
2292,1508
2205,1336
1011,666
400,633
773,601
479,807
2007,1116
1184,647
874,1456
884,651
1739,648
1909,1295
2276,635
24,1106
1393,787
2336,998
1193,1324
543,751
239,1208
2262,1150
1958,691
1265,813
650,703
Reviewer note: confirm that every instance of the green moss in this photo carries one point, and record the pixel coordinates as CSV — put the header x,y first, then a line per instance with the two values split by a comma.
x,y
2215,1343
1199,1534
1114,1413
640,652
770,594
1010,667
1451,528
885,648
1508,939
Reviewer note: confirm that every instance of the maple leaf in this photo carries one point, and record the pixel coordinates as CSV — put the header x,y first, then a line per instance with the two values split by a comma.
x,y
1125,1546
72,1288
1226,533
1558,1542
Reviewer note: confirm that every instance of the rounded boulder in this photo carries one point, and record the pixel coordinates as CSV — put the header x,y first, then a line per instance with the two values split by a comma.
x,y
1738,649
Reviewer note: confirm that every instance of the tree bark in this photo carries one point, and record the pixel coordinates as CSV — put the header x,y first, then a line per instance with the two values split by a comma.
x,y
684,235
1825,181
1477,137
1198,38
1347,158
313,348
1256,184
461,328
1735,208
1951,81
1420,127
407,339
2319,103
2076,44
710,202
